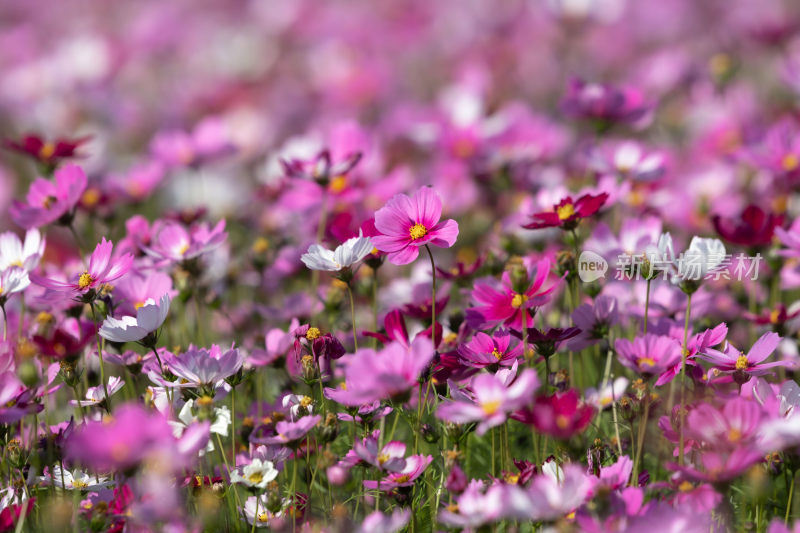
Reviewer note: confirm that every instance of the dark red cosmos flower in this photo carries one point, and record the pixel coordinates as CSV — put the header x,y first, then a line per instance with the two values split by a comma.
x,y
547,342
11,514
774,317
67,341
754,227
461,270
560,415
46,152
567,213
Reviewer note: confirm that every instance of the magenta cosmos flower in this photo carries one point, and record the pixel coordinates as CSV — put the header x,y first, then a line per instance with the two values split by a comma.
x,y
567,213
499,302
561,415
483,350
290,433
649,354
406,223
102,269
48,201
744,366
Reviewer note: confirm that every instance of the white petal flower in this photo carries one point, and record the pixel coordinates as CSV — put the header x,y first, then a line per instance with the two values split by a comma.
x,y
148,319
701,258
13,252
76,479
256,474
13,279
95,395
346,255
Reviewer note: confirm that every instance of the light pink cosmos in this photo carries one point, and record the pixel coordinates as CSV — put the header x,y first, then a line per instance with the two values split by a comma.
x,y
173,243
289,433
406,223
489,400
649,354
549,497
476,506
392,372
736,424
415,466
391,457
48,201
102,269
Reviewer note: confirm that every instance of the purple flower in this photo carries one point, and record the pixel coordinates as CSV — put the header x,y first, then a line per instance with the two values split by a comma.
x,y
390,458
173,243
744,366
594,321
199,367
289,433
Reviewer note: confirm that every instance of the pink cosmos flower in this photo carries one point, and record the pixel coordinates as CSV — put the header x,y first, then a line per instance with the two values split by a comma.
x,y
744,366
16,400
485,351
390,373
753,227
499,302
290,433
735,425
549,497
489,400
594,320
173,243
49,201
102,269
649,354
560,415
406,223
476,506
415,466
694,345
390,458
568,213
377,522
132,436
606,104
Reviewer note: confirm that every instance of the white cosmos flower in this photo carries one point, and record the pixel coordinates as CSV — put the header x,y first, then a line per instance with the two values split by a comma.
x,y
256,474
76,479
703,256
148,319
347,254
608,394
219,424
13,252
13,279
95,395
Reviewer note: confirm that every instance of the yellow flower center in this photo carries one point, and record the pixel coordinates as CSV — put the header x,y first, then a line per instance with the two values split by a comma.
x,y
646,362
773,316
402,479
518,300
48,201
741,362
418,231
382,458
90,198
313,333
790,162
512,479
562,421
734,435
492,407
47,150
338,184
255,478
262,517
138,305
496,353
85,280
79,484
260,245
686,486
205,401
305,401
565,211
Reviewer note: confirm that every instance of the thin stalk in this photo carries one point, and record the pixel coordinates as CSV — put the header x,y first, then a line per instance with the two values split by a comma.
x,y
353,316
255,517
646,305
682,414
640,444
433,295
100,341
5,323
789,500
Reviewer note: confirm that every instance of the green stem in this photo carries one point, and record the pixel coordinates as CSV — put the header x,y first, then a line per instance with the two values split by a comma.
x,y
646,305
100,342
433,295
682,414
353,315
789,499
